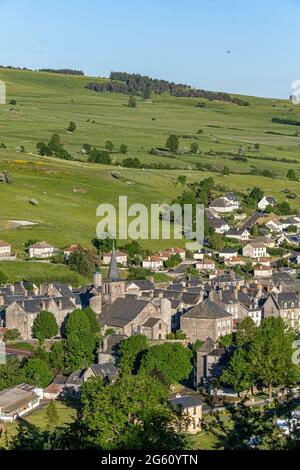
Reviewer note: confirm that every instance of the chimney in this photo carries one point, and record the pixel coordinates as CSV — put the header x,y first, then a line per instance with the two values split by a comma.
x,y
104,343
236,294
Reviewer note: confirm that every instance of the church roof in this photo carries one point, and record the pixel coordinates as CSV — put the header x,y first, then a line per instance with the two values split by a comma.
x,y
113,273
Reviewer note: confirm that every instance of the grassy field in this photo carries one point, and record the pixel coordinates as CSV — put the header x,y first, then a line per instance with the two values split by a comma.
x,y
69,192
39,419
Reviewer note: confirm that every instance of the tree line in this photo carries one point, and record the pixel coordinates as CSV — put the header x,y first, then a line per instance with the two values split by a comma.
x,y
122,82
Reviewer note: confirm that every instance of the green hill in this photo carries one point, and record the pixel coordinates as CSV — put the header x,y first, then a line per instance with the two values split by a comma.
x,y
69,192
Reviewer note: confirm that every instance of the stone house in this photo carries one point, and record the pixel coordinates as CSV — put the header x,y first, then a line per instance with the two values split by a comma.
x,y
41,250
222,205
154,263
21,314
5,249
265,202
121,258
255,250
206,320
285,305
209,363
131,316
109,347
190,407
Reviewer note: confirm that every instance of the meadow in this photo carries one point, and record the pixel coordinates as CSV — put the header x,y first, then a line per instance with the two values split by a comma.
x,y
69,192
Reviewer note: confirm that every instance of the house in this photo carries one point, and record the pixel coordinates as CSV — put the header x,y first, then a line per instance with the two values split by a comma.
x,y
289,239
131,316
235,261
109,347
209,363
121,257
177,251
285,305
207,264
190,407
292,221
107,372
263,271
5,250
228,253
70,250
140,288
17,401
233,199
206,320
222,205
41,250
20,313
242,234
255,250
154,263
274,225
219,225
265,202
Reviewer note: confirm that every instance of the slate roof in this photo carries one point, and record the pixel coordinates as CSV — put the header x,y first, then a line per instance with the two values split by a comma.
x,y
187,401
143,285
122,312
151,322
113,273
207,310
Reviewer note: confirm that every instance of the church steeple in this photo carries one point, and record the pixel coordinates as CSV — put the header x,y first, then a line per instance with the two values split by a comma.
x,y
113,274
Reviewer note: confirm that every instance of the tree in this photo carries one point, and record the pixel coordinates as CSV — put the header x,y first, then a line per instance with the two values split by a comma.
x,y
283,208
93,321
82,261
146,94
99,156
246,331
109,145
129,414
255,231
123,149
132,102
52,415
57,356
226,341
271,354
217,242
79,352
172,359
172,143
13,102
256,194
45,326
291,175
256,146
77,322
131,352
194,148
246,428
182,180
3,278
11,373
238,373
72,126
37,372
173,261
12,335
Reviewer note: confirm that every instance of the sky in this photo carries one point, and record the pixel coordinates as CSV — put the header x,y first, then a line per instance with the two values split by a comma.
x,y
237,46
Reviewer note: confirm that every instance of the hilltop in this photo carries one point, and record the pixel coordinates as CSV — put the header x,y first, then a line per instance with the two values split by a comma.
x,y
68,192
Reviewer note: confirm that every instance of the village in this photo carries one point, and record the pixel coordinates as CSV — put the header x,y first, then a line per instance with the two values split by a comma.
x,y
209,295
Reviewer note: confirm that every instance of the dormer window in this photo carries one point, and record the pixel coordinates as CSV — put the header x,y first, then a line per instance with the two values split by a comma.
x,y
285,305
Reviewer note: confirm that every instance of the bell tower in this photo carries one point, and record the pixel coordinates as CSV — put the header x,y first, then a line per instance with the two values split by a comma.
x,y
114,287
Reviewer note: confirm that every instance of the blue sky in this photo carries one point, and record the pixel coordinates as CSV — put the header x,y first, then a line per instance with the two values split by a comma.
x,y
181,40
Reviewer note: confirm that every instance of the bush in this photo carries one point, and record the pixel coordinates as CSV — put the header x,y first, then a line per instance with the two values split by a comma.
x,y
45,326
12,335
